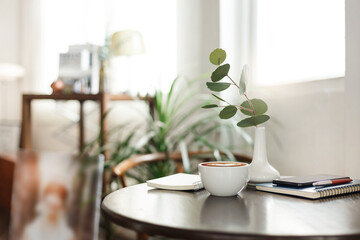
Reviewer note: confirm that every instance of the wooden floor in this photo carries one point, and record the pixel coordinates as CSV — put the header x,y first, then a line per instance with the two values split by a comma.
x,y
4,223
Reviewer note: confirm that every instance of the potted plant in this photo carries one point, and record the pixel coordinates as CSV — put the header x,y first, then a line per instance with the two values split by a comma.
x,y
254,109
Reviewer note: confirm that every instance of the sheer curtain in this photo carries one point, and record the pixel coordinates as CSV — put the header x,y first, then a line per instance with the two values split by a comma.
x,y
236,33
31,48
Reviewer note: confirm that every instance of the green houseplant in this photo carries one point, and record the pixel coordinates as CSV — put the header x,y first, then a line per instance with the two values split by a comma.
x,y
253,109
177,122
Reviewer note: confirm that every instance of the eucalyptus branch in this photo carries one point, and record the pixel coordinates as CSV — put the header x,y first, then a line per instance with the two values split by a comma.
x,y
228,103
239,107
255,109
251,105
243,108
246,109
232,80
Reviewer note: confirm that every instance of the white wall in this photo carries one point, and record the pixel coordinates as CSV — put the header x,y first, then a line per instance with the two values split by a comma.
x,y
9,40
9,53
305,134
352,89
198,34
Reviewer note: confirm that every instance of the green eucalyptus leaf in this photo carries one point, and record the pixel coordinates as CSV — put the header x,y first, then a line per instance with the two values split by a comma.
x,y
243,81
228,112
253,121
217,87
259,106
219,98
210,106
217,56
220,72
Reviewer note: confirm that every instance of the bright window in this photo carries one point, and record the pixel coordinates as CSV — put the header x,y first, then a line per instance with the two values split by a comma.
x,y
68,22
298,40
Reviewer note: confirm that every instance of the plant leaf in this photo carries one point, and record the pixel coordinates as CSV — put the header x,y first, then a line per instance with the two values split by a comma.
x,y
259,106
220,72
253,121
217,87
217,56
219,98
228,112
243,81
210,106
170,94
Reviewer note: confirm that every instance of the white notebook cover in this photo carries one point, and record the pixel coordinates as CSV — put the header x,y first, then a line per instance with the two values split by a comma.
x,y
179,181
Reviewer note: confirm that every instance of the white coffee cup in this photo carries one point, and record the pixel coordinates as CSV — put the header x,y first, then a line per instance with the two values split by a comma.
x,y
224,178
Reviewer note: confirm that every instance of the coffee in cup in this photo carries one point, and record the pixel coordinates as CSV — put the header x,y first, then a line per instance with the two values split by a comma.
x,y
223,164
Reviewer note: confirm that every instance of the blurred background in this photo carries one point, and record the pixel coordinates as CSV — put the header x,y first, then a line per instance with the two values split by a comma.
x,y
303,58
297,66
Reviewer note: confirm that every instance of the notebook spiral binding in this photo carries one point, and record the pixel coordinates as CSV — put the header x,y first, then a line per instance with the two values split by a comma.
x,y
334,191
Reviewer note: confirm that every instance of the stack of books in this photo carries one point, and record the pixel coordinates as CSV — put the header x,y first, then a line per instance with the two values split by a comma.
x,y
312,187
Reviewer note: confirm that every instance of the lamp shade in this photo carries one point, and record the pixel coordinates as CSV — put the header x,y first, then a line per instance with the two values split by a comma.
x,y
127,43
10,71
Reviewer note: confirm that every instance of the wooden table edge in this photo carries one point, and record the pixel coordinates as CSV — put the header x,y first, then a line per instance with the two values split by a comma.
x,y
84,97
183,233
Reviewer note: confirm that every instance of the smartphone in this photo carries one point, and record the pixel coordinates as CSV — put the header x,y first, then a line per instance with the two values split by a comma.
x,y
305,181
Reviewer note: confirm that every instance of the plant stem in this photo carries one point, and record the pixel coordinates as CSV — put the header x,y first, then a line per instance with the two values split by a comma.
x,y
228,103
232,81
250,103
239,107
246,109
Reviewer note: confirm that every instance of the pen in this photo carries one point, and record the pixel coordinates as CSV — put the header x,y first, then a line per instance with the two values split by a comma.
x,y
332,182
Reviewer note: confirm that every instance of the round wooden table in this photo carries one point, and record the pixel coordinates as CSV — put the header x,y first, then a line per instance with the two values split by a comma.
x,y
251,215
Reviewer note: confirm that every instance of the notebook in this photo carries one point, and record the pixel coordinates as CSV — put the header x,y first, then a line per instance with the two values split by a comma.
x,y
311,192
179,181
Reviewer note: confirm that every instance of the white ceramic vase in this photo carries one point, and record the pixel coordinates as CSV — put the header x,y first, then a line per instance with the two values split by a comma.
x,y
260,169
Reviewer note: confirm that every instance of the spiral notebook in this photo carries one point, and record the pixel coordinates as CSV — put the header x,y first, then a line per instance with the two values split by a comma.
x,y
312,192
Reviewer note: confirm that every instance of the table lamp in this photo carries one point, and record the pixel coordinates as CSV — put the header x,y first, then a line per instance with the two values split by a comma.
x,y
126,43
123,43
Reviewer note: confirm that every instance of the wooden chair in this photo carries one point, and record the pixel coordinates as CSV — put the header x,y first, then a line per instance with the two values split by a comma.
x,y
75,183
121,169
7,165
